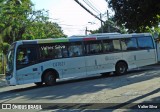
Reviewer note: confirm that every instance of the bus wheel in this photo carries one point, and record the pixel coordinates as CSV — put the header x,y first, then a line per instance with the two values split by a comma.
x,y
49,78
121,68
38,83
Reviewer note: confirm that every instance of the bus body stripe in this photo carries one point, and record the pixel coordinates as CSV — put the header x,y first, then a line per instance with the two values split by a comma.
x,y
102,38
53,40
141,35
29,42
61,40
45,41
88,39
76,39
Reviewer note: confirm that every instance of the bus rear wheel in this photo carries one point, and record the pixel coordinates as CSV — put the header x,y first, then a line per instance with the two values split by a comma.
x,y
121,68
49,78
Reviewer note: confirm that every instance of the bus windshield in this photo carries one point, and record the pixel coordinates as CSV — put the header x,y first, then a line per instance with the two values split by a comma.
x,y
10,58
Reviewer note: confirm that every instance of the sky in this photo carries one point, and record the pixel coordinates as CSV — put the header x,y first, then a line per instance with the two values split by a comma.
x,y
72,18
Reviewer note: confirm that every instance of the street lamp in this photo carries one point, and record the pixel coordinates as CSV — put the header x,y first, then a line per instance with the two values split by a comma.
x,y
92,23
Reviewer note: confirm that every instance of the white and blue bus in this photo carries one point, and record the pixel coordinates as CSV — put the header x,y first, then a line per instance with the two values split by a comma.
x,y
48,60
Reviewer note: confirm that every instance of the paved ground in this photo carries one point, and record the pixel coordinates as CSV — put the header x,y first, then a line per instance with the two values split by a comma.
x,y
96,93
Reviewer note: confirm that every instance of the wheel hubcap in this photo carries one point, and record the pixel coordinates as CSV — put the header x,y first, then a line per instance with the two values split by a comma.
x,y
122,69
50,78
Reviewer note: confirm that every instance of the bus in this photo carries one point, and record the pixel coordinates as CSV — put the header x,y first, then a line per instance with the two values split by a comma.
x,y
49,60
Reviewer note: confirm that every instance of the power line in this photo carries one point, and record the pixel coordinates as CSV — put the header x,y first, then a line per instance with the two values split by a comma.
x,y
89,11
91,6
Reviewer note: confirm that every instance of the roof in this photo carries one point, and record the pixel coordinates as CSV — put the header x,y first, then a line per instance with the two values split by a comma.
x,y
85,38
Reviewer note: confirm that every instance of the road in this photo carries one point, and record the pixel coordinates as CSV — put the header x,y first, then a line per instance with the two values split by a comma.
x,y
136,87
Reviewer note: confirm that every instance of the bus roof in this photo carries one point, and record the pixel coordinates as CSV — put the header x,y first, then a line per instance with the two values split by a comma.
x,y
84,38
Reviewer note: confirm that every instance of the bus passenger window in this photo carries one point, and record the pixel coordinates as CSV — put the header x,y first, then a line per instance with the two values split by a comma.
x,y
51,51
116,45
94,47
75,49
58,52
108,45
129,44
145,43
65,51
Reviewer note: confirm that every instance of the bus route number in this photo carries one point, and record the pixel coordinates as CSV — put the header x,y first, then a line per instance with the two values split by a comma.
x,y
57,64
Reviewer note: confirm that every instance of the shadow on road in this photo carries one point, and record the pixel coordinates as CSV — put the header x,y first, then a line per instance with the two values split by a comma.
x,y
83,86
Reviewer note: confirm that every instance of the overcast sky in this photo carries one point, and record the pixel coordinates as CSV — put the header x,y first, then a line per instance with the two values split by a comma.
x,y
70,16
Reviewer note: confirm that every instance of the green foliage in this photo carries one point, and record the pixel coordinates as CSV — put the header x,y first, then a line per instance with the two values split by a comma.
x,y
13,18
136,15
18,21
5,47
42,30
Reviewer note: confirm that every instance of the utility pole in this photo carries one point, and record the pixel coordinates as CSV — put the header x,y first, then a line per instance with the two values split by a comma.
x,y
108,21
101,23
88,11
86,31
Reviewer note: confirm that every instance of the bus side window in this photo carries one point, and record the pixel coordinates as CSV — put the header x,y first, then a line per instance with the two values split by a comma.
x,y
50,51
94,47
116,45
145,43
75,49
65,51
108,45
129,44
58,51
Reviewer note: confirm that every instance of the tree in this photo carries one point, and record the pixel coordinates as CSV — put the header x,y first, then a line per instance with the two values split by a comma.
x,y
19,21
13,16
40,27
136,15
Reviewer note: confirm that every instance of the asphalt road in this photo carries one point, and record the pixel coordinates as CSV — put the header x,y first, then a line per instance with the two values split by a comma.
x,y
97,93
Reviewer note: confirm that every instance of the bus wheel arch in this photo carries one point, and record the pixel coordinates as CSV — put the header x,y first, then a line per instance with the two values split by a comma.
x,y
121,67
49,76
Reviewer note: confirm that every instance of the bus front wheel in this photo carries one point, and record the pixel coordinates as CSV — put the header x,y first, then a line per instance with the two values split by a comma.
x,y
121,68
49,78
